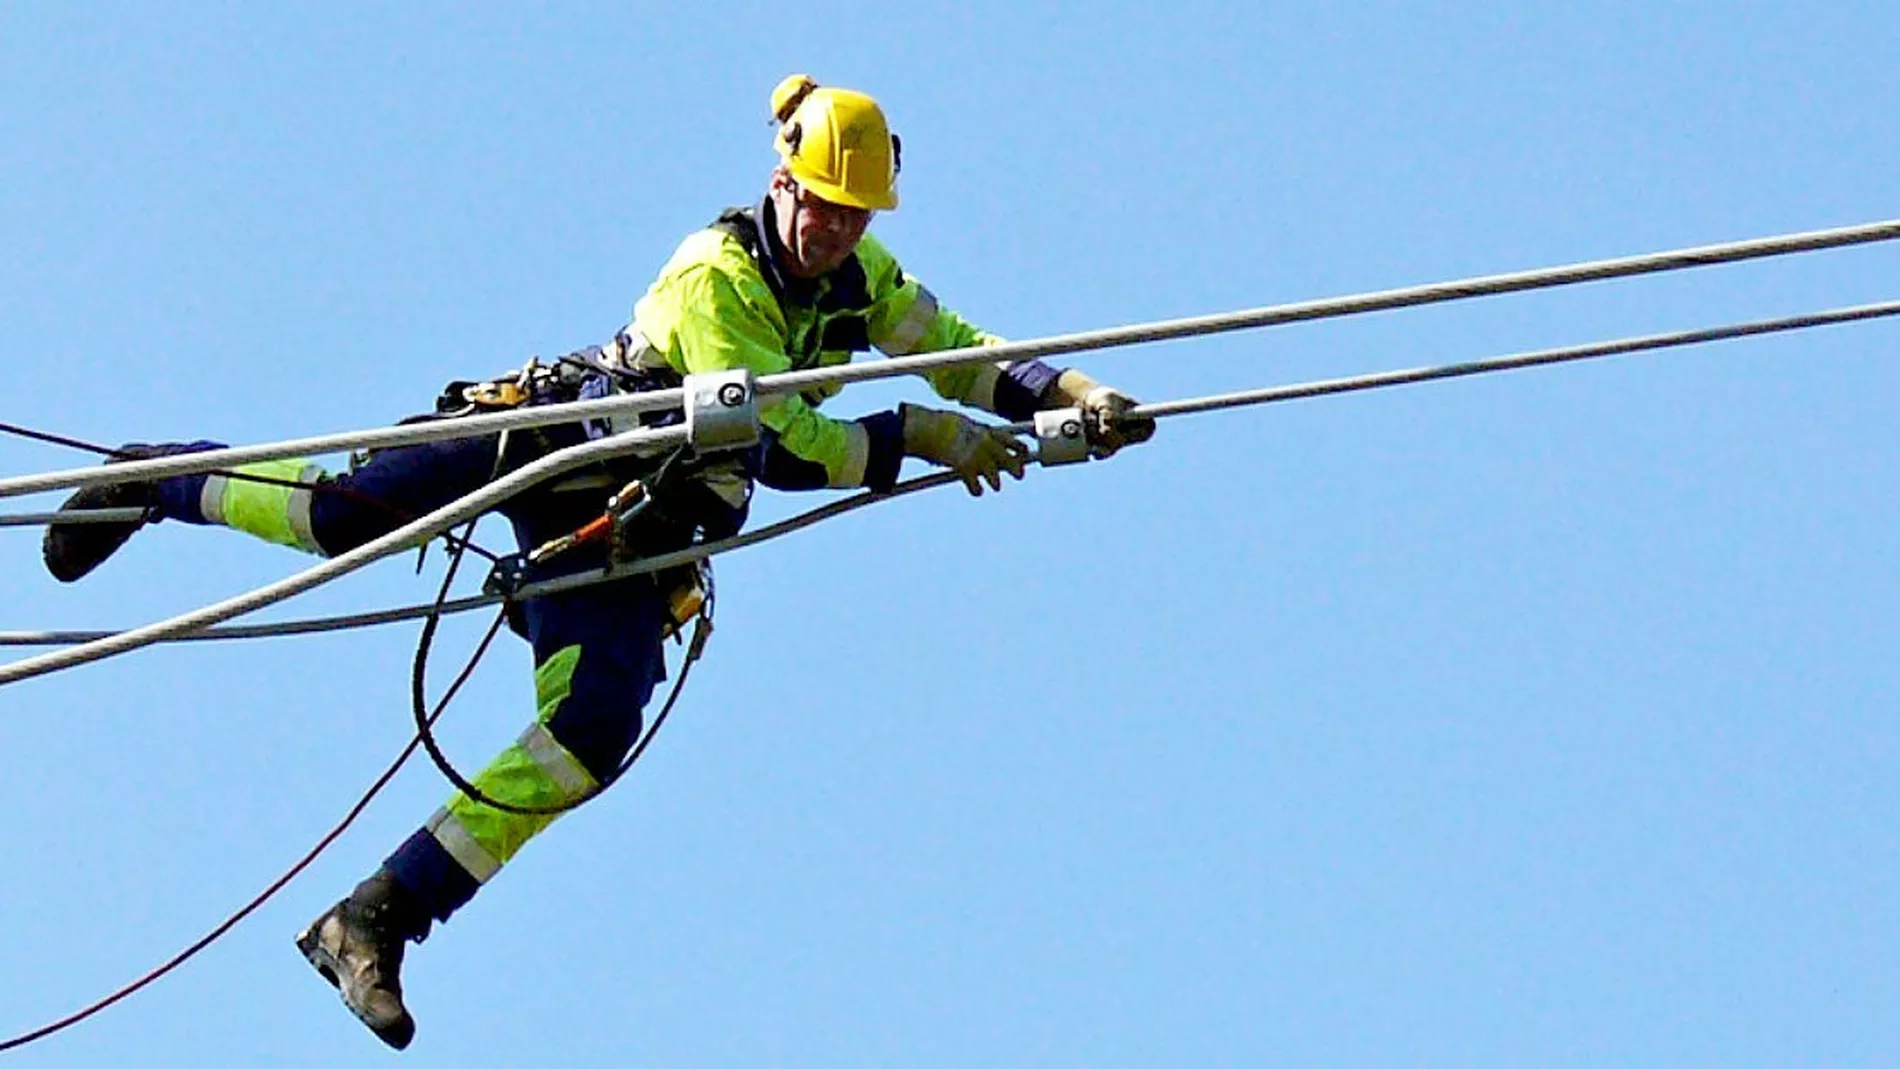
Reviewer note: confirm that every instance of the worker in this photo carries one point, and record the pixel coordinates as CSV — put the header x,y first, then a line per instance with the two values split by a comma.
x,y
794,282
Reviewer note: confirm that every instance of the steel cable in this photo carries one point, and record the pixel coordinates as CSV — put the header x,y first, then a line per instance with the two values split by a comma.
x,y
405,537
1160,410
472,505
425,724
1114,337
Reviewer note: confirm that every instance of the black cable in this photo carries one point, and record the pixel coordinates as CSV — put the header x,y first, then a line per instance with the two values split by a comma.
x,y
419,702
277,885
57,439
267,480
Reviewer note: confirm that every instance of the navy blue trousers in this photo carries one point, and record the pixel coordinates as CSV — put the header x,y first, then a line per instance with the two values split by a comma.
x,y
617,627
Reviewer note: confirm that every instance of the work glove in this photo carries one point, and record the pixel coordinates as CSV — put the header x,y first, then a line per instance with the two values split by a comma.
x,y
977,452
1104,410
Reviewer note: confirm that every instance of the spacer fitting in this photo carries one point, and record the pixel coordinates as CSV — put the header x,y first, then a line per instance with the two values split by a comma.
x,y
722,411
1060,437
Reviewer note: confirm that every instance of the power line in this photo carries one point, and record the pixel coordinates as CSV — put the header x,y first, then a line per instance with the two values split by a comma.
x,y
426,527
1517,361
42,519
1161,410
407,536
796,381
528,590
282,881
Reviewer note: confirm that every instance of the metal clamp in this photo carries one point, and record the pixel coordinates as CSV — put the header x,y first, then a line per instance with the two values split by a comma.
x,y
507,575
1060,437
722,410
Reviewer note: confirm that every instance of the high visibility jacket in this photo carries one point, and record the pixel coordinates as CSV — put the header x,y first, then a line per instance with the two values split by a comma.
x,y
723,303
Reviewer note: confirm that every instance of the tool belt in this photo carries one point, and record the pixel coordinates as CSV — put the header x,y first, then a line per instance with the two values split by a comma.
x,y
573,377
579,376
649,500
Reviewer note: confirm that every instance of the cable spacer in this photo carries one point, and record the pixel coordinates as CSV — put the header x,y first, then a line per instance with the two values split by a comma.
x,y
1060,437
722,410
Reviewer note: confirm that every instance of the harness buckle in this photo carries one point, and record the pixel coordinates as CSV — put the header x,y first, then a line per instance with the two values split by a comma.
x,y
504,393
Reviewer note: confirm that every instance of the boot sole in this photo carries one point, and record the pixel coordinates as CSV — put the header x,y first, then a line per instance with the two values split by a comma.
x,y
318,957
396,1035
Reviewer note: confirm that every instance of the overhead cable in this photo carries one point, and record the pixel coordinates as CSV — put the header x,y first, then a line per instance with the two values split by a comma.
x,y
217,932
407,536
436,522
1517,361
527,590
796,381
42,519
1159,410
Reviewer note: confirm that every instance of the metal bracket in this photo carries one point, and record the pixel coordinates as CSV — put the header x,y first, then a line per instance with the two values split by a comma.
x,y
507,575
1060,437
722,410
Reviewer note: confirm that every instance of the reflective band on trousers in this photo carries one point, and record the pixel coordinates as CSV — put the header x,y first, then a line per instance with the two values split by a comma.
x,y
910,330
554,759
273,512
536,772
461,845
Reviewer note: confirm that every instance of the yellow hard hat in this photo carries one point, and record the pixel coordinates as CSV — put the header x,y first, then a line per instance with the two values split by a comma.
x,y
836,143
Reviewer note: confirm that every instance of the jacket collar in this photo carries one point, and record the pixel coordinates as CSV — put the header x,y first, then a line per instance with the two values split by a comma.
x,y
773,255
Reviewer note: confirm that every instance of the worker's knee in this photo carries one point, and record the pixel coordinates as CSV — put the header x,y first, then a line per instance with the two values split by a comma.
x,y
597,713
598,659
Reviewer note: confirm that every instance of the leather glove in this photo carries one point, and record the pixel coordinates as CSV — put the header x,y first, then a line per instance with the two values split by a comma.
x,y
1103,413
977,452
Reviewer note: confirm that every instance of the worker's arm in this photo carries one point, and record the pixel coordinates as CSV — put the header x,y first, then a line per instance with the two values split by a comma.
x,y
706,320
906,318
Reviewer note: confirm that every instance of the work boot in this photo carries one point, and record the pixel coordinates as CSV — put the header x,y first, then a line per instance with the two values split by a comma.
x,y
357,945
71,550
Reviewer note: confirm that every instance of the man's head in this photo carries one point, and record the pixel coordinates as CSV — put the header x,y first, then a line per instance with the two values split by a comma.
x,y
838,164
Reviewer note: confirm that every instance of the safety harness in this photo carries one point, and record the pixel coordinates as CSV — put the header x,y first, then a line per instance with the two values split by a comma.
x,y
649,513
635,521
843,307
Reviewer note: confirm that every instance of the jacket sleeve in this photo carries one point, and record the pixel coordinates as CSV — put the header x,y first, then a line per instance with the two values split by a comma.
x,y
707,320
906,319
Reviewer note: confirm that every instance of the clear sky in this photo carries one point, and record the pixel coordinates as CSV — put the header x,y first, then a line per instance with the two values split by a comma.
x,y
1544,719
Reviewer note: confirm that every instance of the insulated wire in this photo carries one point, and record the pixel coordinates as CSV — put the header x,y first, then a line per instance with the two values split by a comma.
x,y
702,628
796,381
454,512
530,590
1518,361
411,534
1161,410
43,519
134,515
424,736
276,885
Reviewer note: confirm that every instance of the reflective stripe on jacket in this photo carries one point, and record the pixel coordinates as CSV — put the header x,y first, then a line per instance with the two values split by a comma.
x,y
722,303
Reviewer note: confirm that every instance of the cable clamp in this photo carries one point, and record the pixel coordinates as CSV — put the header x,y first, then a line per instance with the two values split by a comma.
x,y
722,411
1061,437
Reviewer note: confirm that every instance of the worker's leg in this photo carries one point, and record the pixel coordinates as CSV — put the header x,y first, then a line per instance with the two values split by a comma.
x,y
597,656
597,659
297,503
332,514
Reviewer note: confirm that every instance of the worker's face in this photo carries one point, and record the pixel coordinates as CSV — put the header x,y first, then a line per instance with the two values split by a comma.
x,y
818,234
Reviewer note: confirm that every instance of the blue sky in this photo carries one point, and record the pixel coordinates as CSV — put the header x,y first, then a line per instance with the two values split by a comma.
x,y
1546,718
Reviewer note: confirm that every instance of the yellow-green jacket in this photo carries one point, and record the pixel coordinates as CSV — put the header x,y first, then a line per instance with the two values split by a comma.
x,y
722,303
